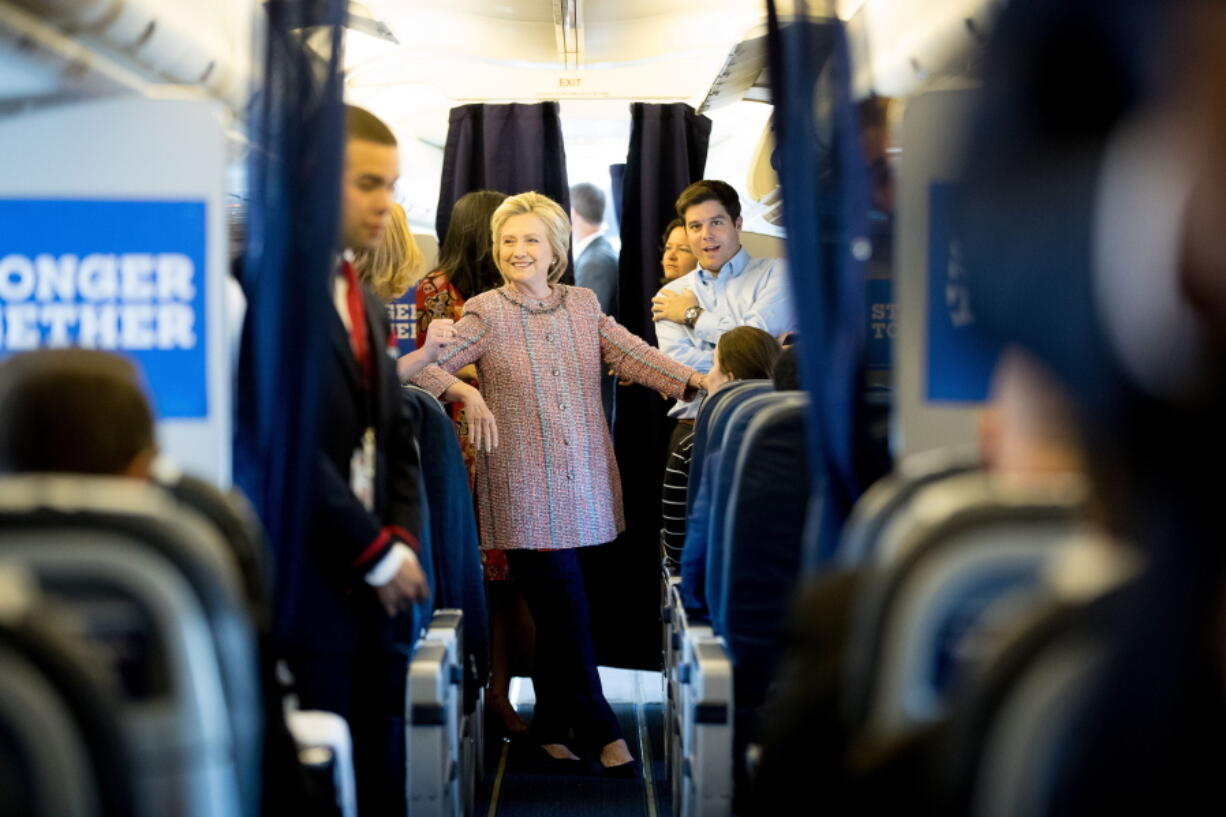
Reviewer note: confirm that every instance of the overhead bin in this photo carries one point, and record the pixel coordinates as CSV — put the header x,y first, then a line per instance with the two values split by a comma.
x,y
205,45
900,45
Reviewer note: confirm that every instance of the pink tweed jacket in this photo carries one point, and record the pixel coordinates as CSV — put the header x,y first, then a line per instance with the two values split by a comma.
x,y
552,483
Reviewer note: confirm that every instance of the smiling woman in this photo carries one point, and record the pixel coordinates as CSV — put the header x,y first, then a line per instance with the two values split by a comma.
x,y
546,478
531,252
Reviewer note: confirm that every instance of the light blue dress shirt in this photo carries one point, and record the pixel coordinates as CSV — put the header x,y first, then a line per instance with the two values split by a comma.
x,y
747,292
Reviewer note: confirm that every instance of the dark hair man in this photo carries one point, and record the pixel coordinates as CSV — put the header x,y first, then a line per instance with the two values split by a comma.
x,y
727,289
352,581
595,261
74,411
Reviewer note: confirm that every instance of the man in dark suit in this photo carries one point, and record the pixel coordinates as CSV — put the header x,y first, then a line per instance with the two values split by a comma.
x,y
595,260
350,624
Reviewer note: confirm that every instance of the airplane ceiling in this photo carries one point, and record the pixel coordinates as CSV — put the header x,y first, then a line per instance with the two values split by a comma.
x,y
514,49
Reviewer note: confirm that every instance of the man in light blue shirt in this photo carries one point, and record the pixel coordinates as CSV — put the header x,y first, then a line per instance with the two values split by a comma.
x,y
726,290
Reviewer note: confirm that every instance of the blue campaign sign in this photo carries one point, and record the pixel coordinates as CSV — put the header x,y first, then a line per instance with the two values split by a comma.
x,y
124,276
402,315
960,356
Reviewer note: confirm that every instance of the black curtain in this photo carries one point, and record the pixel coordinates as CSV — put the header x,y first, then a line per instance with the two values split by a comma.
x,y
668,152
297,131
617,178
510,148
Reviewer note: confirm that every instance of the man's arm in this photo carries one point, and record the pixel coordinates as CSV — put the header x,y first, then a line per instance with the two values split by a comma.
x,y
677,341
772,309
680,344
398,579
356,538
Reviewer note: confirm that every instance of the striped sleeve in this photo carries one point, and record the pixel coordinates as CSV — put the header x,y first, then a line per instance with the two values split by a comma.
x,y
676,485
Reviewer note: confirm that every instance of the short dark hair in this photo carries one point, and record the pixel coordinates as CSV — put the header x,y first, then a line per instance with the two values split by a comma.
x,y
672,225
587,200
786,374
71,411
747,353
362,124
709,190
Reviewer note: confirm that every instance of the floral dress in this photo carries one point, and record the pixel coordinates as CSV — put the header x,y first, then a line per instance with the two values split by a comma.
x,y
436,297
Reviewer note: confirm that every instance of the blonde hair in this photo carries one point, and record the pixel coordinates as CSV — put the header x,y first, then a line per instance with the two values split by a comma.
x,y
396,264
557,227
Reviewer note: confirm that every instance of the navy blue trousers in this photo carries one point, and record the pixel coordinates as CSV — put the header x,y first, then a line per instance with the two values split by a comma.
x,y
569,698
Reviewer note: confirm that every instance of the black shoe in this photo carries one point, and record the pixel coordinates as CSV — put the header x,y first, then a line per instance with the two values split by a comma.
x,y
546,763
622,771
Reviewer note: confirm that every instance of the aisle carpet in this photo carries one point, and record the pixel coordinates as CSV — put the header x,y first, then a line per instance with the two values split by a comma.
x,y
517,785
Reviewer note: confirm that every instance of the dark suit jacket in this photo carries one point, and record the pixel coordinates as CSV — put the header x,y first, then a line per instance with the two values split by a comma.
x,y
596,269
336,611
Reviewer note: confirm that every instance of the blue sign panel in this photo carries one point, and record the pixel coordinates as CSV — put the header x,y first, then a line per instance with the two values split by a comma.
x,y
960,356
124,276
402,314
882,322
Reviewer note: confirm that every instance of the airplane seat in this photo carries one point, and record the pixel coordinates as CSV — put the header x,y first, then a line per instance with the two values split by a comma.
x,y
705,465
458,577
155,587
323,744
428,245
1007,736
974,542
700,735
325,752
702,565
765,524
760,245
236,521
888,496
739,418
702,428
63,749
441,775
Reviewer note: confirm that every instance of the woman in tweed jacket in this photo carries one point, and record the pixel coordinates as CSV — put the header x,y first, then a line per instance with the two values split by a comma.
x,y
546,479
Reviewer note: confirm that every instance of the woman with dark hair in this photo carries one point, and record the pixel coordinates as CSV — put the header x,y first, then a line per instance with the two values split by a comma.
x,y
743,353
465,263
676,256
465,268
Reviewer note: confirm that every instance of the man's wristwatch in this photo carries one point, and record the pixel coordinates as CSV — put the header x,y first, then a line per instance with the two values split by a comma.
x,y
691,316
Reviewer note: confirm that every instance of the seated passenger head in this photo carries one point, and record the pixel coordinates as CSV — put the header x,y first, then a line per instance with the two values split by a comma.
x,y
586,208
678,258
743,353
786,374
372,166
466,254
1029,430
531,234
396,263
711,211
74,411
